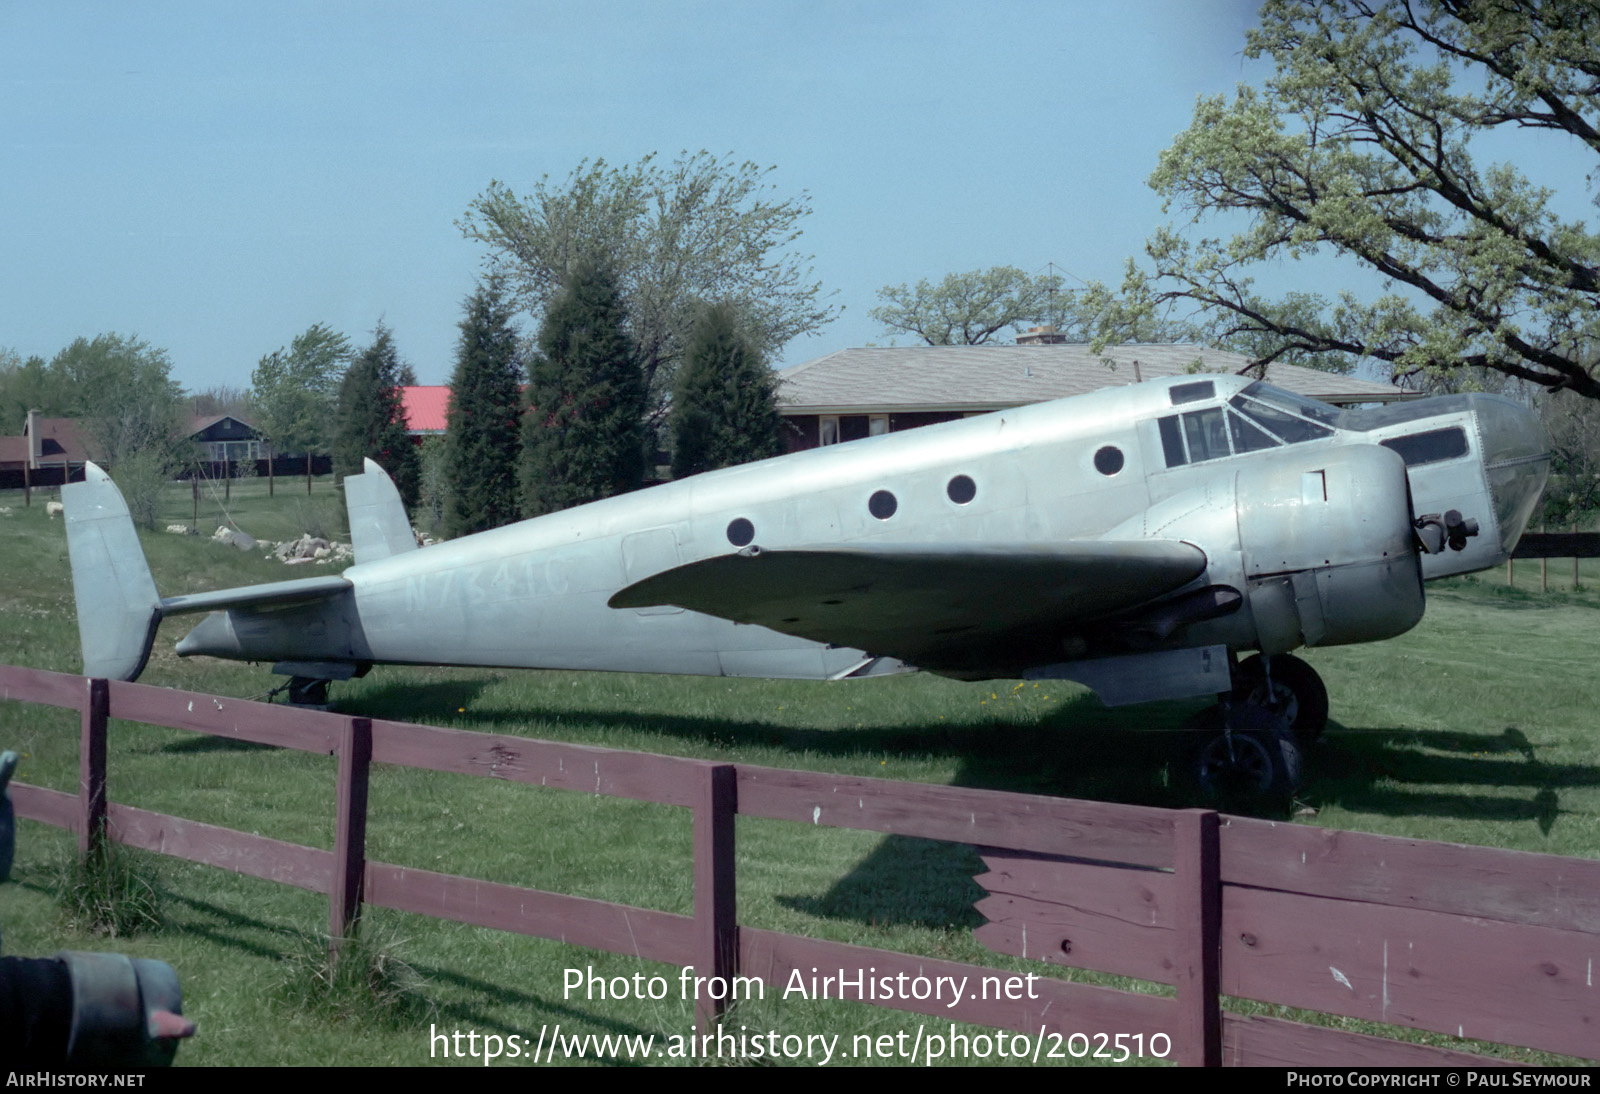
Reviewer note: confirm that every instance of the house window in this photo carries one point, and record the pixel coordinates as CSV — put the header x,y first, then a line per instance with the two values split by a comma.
x,y
877,425
828,429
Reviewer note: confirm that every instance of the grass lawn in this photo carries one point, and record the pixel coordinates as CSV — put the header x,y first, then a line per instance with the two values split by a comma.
x,y
1476,727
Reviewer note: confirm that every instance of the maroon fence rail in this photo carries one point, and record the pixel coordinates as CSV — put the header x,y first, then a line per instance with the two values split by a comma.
x,y
1462,941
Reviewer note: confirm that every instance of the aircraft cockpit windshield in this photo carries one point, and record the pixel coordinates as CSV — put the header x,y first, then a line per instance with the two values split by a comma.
x,y
1257,418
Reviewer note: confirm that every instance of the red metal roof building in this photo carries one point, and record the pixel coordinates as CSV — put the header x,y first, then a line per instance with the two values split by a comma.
x,y
425,407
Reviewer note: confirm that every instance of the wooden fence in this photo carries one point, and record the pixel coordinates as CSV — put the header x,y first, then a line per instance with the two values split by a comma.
x,y
1464,941
1545,546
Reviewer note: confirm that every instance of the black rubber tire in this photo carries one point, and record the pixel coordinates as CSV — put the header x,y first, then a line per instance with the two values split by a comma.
x,y
1257,763
1298,693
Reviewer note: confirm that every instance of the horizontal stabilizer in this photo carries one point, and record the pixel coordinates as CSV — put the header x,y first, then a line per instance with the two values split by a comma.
x,y
253,596
379,525
118,607
918,602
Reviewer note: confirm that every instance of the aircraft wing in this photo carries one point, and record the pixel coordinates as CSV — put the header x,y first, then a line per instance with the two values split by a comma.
x,y
931,605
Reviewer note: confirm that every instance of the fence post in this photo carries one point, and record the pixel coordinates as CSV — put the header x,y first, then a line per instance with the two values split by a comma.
x,y
350,838
716,947
1197,912
92,768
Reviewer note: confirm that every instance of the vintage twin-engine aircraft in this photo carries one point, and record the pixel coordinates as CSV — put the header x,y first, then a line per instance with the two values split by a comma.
x,y
1135,540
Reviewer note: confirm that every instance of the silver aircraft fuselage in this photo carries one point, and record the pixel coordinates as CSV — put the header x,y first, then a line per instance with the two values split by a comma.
x,y
1307,516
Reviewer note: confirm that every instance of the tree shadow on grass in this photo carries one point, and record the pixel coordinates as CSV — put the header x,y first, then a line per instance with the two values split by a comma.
x,y
1398,772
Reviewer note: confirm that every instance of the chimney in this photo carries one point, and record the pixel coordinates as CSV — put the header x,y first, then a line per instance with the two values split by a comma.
x,y
1041,336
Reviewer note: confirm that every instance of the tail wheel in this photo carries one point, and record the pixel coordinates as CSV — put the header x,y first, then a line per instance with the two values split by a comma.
x,y
1296,692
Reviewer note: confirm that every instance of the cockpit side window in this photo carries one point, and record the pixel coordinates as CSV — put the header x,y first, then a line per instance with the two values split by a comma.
x,y
1246,437
1172,441
1198,435
1430,447
1278,422
1206,434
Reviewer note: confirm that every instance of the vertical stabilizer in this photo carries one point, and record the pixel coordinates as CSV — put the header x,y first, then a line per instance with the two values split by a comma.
x,y
118,607
379,526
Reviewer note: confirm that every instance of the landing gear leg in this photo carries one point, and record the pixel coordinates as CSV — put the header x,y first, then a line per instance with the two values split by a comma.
x,y
1287,685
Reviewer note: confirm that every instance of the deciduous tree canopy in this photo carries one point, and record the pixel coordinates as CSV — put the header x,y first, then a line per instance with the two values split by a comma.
x,y
296,391
120,391
1372,142
703,228
971,309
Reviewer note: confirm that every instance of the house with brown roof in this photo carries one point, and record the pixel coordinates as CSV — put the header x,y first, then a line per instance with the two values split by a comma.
x,y
884,389
48,452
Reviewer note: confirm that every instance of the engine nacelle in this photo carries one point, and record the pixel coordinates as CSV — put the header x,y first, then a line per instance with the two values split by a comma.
x,y
1327,550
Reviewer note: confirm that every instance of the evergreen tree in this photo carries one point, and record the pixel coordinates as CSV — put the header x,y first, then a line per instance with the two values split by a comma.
x,y
372,421
724,407
583,433
484,442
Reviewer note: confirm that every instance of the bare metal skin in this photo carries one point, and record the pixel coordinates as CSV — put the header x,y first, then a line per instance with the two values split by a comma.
x,y
1135,539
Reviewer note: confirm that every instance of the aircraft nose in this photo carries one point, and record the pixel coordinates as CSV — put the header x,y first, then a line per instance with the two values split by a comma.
x,y
1516,460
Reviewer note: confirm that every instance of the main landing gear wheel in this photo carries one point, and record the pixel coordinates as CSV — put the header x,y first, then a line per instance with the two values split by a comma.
x,y
1255,758
1296,692
308,692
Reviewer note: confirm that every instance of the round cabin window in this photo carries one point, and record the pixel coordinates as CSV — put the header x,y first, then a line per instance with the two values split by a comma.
x,y
1108,461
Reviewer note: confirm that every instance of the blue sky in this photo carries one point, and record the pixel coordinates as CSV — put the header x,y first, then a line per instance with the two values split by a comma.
x,y
217,177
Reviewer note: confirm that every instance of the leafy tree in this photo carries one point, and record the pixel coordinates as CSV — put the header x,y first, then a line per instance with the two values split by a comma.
x,y
971,309
223,399
703,228
28,385
119,390
725,407
583,433
484,439
1366,144
1573,425
372,421
296,391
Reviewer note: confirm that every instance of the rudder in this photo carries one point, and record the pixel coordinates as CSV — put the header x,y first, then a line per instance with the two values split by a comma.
x,y
379,526
118,606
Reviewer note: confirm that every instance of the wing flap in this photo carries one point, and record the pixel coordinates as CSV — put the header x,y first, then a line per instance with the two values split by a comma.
x,y
913,601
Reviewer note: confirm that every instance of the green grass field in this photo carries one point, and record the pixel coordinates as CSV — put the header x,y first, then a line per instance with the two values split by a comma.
x,y
1477,727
